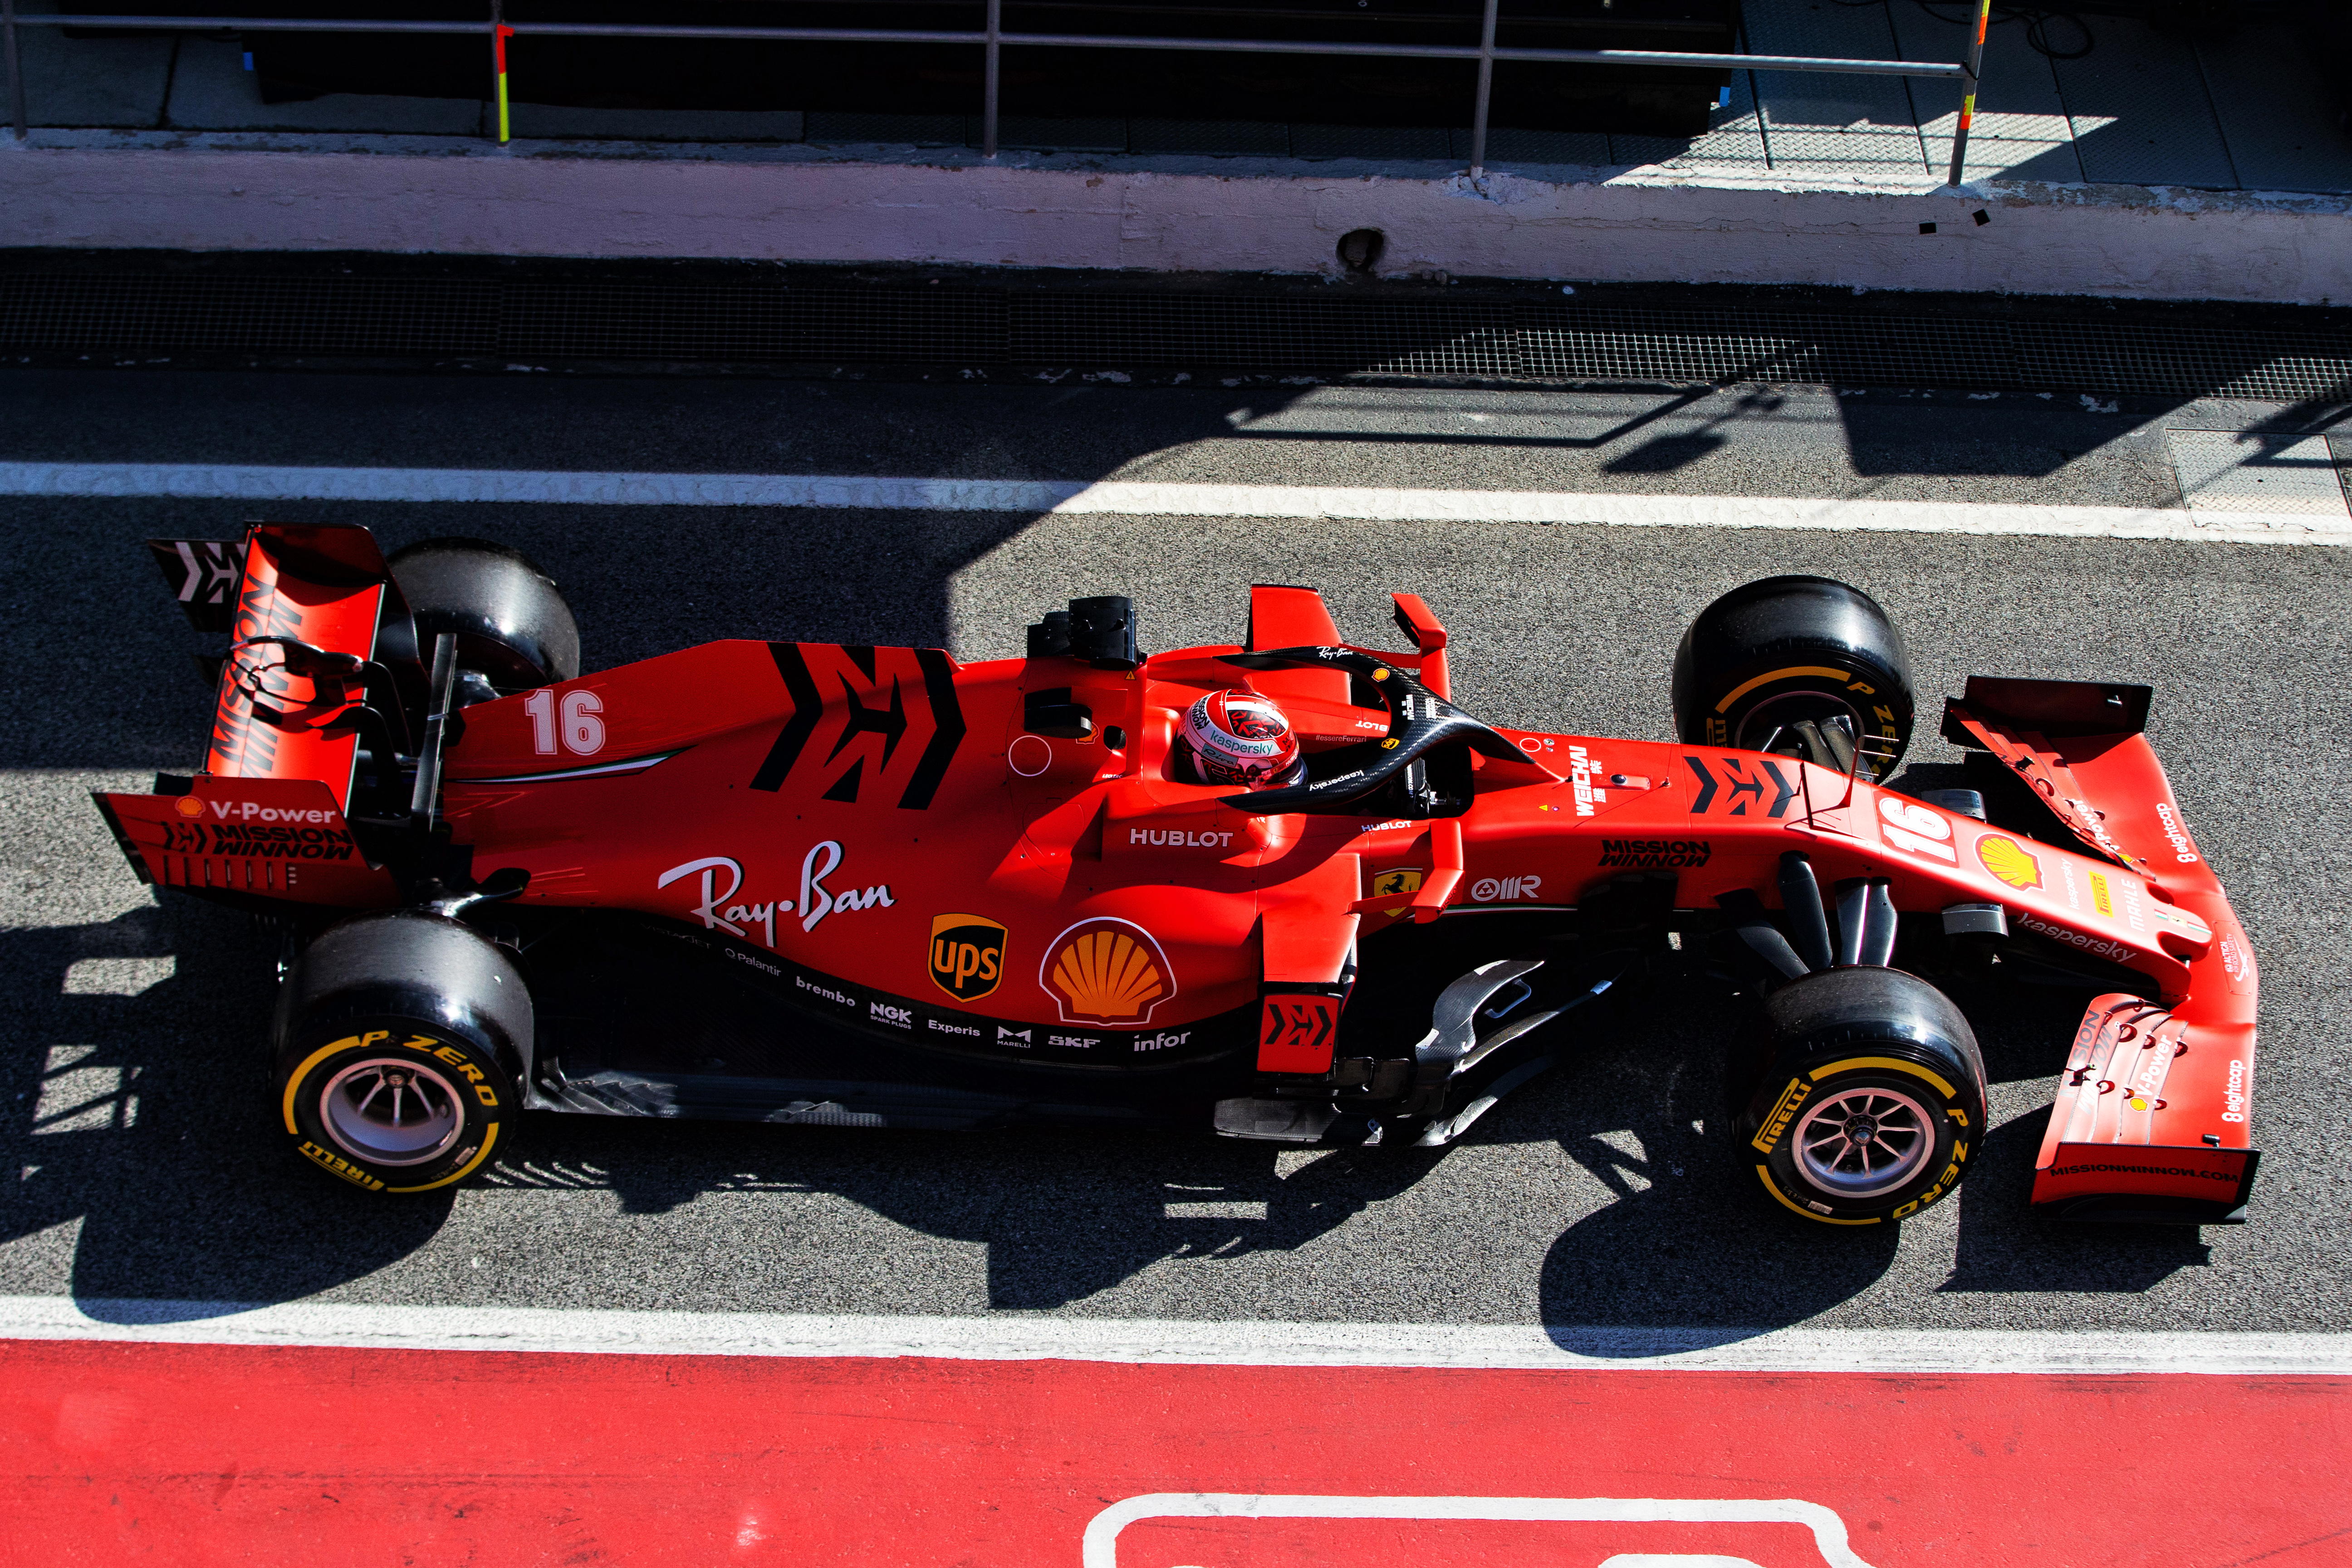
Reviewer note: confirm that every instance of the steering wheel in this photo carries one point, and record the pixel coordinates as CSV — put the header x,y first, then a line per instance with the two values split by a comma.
x,y
1420,721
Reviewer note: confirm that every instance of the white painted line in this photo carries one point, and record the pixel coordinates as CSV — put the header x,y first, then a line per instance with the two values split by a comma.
x,y
1151,1341
1121,497
1099,1547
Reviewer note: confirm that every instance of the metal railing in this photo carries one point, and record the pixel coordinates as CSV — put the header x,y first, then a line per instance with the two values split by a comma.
x,y
993,39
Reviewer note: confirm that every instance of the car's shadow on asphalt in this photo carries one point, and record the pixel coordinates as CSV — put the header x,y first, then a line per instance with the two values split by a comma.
x,y
137,1090
137,1117
1694,1242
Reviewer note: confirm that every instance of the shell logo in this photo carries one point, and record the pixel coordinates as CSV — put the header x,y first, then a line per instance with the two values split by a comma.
x,y
1107,972
2009,860
188,806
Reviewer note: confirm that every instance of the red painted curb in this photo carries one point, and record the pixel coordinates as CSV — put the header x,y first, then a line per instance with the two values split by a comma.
x,y
200,1455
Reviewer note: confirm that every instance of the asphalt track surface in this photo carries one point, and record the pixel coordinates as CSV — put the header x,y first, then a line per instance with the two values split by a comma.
x,y
147,1166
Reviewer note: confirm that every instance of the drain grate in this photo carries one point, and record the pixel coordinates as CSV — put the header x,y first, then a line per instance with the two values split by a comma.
x,y
778,322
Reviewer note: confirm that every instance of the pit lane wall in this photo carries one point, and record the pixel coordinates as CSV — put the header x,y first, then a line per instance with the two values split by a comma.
x,y
227,192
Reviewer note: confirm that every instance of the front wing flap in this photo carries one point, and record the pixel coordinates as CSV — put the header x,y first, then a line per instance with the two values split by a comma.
x,y
2153,1115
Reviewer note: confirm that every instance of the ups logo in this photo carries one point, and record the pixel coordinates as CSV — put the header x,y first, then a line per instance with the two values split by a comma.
x,y
967,956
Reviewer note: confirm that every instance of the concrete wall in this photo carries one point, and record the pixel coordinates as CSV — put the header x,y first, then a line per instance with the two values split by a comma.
x,y
81,189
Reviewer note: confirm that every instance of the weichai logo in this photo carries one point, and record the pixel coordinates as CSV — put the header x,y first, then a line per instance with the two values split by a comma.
x,y
967,956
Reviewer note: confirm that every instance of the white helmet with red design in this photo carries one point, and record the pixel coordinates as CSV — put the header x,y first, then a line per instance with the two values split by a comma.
x,y
1239,738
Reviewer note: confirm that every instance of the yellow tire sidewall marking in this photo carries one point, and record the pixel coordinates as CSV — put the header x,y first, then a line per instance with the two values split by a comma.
x,y
313,1060
348,1042
1886,1064
1764,1175
1842,676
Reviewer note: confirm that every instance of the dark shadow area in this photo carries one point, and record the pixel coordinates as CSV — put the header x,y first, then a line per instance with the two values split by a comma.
x,y
146,1118
1665,454
159,1139
643,581
1063,1214
1692,1242
1891,434
2004,1248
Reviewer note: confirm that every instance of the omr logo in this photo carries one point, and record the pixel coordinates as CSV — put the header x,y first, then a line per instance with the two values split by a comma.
x,y
967,956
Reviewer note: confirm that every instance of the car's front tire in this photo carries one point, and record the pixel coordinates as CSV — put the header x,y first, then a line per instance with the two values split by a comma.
x,y
1805,667
1870,1100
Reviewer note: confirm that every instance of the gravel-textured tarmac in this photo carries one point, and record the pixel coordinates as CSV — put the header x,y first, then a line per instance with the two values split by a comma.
x,y
1604,1195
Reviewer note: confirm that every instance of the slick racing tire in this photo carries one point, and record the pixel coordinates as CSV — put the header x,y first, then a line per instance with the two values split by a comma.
x,y
1871,1099
1804,667
400,1042
514,631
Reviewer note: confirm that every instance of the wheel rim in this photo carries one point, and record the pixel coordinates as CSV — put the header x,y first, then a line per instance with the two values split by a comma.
x,y
1771,725
391,1111
1862,1143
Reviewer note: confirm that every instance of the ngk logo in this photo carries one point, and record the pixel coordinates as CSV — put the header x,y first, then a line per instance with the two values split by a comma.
x,y
896,1017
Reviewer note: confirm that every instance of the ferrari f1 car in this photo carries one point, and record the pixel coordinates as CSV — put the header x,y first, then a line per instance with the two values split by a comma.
x,y
872,887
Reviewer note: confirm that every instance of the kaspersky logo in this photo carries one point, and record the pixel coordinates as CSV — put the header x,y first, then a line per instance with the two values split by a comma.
x,y
967,956
1107,972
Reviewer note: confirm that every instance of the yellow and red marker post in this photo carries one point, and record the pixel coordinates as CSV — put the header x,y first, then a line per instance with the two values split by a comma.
x,y
500,32
1967,89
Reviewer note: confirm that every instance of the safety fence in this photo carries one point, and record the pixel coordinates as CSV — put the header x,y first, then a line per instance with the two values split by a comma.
x,y
992,39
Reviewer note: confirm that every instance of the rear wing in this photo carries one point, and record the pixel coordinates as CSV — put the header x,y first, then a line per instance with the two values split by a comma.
x,y
279,840
2153,1118
316,629
276,713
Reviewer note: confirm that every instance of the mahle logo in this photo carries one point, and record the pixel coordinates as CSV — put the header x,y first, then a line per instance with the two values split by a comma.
x,y
967,956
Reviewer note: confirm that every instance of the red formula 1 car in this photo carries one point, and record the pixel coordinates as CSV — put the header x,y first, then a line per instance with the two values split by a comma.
x,y
800,882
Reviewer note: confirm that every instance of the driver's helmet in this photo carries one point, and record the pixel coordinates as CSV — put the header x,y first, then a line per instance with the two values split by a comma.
x,y
1239,738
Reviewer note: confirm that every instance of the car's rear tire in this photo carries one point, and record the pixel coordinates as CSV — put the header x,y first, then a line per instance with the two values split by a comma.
x,y
1870,1097
400,1042
1804,667
514,631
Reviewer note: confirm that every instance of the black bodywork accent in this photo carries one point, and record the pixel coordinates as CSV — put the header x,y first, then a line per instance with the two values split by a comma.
x,y
889,722
703,1025
1421,766
807,708
946,729
202,575
2051,707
